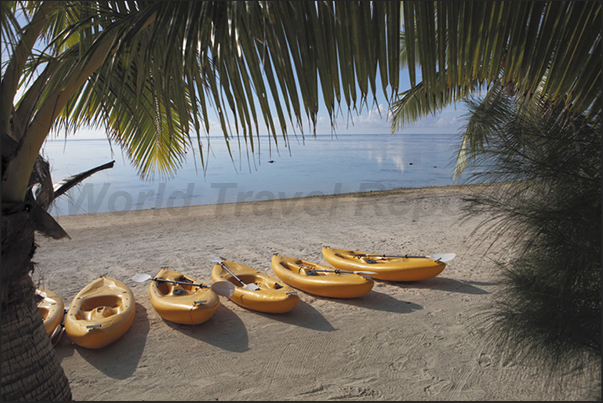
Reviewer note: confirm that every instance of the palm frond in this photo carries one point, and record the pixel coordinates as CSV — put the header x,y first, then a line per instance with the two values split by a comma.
x,y
61,187
556,43
19,42
248,61
418,102
486,117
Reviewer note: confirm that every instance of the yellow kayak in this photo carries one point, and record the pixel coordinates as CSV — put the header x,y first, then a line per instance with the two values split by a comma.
x,y
179,302
267,295
52,309
391,268
318,279
100,313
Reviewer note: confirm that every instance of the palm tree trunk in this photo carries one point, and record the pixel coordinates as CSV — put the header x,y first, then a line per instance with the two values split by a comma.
x,y
30,369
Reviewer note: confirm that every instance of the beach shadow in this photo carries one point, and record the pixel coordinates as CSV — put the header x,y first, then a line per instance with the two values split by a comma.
x,y
64,347
224,330
484,283
303,315
439,283
381,302
119,359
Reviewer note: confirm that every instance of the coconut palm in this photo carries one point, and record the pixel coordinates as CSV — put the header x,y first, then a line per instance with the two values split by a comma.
x,y
539,127
152,74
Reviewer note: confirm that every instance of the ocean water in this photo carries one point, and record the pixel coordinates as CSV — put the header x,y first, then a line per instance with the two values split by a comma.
x,y
310,166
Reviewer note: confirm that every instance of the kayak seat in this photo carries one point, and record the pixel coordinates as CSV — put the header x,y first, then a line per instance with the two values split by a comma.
x,y
100,307
102,312
178,289
172,289
303,269
184,279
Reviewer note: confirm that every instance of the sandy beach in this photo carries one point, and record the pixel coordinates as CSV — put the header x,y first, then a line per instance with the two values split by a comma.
x,y
401,341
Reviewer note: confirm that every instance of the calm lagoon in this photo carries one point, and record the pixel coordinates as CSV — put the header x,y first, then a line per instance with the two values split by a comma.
x,y
310,166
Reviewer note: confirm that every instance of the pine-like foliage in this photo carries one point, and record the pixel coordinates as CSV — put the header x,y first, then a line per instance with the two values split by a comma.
x,y
549,305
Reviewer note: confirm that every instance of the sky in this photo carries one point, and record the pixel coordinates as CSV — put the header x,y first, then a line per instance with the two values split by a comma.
x,y
370,119
376,121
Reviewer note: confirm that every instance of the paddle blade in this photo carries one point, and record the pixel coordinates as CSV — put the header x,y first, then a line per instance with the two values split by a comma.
x,y
443,257
215,259
365,272
140,277
223,288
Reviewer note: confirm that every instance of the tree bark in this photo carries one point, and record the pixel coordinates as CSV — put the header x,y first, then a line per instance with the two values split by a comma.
x,y
30,368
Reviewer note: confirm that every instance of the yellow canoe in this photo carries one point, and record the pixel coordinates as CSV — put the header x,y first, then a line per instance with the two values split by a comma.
x,y
100,313
52,309
318,279
271,297
182,303
391,268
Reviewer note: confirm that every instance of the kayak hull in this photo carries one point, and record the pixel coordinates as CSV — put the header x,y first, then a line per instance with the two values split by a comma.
x,y
295,272
100,313
272,297
52,309
387,268
182,303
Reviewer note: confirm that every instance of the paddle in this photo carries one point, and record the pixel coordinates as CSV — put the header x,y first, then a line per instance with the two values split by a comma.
x,y
251,287
312,271
438,257
223,288
55,337
340,271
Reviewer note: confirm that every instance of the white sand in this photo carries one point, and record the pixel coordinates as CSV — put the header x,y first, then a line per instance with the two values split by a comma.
x,y
401,341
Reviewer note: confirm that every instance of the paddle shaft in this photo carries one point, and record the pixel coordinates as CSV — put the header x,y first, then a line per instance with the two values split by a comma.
x,y
302,265
179,282
234,275
405,256
343,271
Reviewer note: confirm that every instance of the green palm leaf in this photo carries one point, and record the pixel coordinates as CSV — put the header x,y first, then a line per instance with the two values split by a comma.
x,y
519,43
150,73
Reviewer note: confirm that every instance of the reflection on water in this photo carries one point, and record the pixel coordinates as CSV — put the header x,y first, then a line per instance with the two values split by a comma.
x,y
312,166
